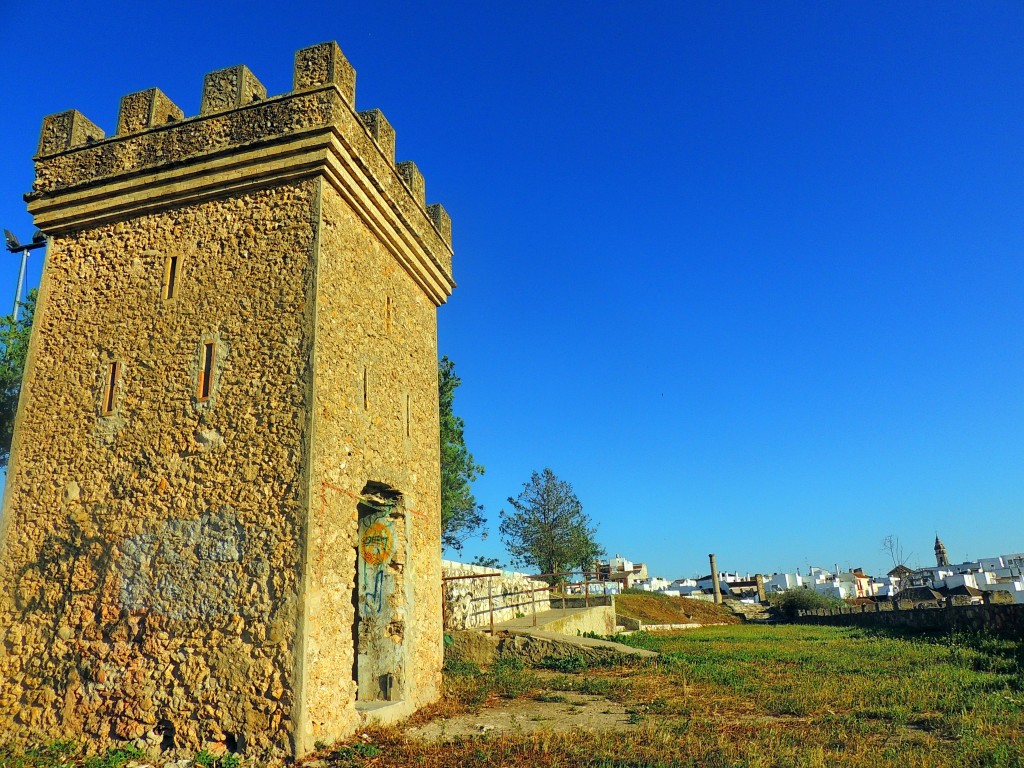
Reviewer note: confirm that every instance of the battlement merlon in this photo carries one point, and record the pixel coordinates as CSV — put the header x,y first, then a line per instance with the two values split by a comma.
x,y
243,140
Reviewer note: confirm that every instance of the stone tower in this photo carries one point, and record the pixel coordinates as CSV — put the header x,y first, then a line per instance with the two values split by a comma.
x,y
941,556
222,516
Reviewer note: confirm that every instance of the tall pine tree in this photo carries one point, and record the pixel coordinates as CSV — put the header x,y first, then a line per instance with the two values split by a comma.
x,y
461,516
547,528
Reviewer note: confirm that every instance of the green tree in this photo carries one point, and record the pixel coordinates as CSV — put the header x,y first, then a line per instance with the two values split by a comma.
x,y
547,528
802,599
14,337
461,516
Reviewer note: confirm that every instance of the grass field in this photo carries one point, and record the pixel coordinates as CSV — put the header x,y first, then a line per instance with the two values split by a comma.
x,y
738,695
750,695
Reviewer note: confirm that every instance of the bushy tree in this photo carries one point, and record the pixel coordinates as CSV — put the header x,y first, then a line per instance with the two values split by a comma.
x,y
14,337
461,516
802,599
547,528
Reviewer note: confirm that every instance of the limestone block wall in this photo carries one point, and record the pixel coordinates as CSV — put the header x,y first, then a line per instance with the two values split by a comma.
x,y
466,600
152,556
376,422
1007,619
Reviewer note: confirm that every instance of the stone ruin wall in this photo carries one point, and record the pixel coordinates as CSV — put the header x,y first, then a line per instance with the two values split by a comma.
x,y
181,574
1001,619
466,601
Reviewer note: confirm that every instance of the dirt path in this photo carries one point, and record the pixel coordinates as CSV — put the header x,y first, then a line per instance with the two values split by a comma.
x,y
564,711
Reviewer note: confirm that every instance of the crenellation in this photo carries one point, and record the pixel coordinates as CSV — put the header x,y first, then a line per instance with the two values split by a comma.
x,y
413,179
67,130
146,109
325,64
441,220
381,131
230,88
316,123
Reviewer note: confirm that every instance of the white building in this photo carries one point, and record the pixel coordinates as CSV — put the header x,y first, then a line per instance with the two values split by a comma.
x,y
780,582
988,574
652,584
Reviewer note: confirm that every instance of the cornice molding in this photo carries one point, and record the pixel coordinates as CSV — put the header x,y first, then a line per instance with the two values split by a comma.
x,y
302,154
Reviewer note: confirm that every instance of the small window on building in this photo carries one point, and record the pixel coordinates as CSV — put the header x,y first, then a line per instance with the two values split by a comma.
x,y
408,415
366,391
206,374
170,277
110,388
387,315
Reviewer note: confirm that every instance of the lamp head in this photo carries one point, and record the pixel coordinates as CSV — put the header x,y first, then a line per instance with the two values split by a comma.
x,y
11,241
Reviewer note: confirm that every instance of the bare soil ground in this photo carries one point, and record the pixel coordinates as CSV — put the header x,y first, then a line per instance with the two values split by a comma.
x,y
557,712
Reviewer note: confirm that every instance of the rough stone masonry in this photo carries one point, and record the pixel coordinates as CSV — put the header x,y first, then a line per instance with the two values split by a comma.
x,y
222,515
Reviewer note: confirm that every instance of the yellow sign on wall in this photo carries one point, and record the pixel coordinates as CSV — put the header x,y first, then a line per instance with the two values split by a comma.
x,y
376,543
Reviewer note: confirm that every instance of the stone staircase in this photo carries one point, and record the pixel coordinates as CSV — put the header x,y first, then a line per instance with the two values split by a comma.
x,y
758,613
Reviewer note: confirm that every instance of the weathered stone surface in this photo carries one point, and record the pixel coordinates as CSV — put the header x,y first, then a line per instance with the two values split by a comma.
x,y
210,473
66,130
468,602
381,131
441,220
472,646
1004,619
413,179
229,89
325,64
534,647
177,593
146,109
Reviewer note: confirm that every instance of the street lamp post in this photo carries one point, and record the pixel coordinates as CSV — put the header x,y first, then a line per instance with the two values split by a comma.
x,y
39,240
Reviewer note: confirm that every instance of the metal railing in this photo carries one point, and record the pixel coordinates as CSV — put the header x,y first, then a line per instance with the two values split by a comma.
x,y
558,588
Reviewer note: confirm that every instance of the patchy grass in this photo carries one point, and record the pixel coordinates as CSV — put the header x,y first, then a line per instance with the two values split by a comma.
x,y
751,696
656,608
68,754
761,696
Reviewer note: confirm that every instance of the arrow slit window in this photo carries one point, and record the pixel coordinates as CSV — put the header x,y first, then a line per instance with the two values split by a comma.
x,y
110,388
206,374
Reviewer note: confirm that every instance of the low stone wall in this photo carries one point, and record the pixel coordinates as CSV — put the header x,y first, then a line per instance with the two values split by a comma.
x,y
578,601
598,619
466,599
903,614
628,623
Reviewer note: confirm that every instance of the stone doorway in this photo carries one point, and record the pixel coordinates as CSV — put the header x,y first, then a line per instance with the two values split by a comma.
x,y
379,597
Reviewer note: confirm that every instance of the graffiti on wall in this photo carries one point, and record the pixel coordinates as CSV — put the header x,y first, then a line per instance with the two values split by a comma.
x,y
376,544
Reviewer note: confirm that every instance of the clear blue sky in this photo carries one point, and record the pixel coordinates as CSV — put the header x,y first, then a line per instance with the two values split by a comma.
x,y
748,275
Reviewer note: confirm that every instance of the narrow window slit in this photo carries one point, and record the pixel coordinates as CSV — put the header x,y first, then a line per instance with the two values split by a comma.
x,y
387,314
170,277
366,393
111,388
206,376
408,416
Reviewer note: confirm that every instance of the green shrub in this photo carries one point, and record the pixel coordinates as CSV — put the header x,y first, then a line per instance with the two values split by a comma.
x,y
802,599
509,679
460,668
